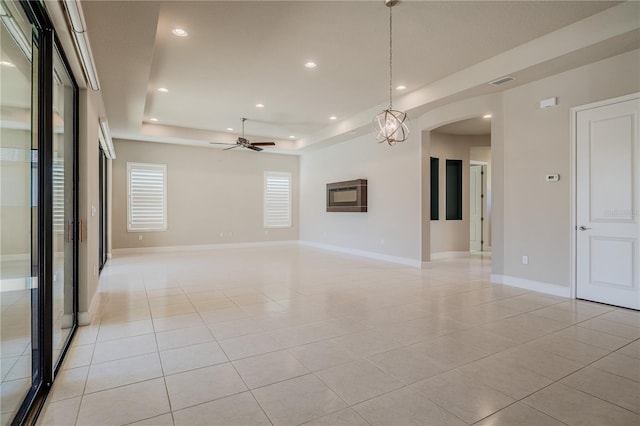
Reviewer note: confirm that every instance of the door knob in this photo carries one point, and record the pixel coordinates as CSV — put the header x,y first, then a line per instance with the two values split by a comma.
x,y
583,228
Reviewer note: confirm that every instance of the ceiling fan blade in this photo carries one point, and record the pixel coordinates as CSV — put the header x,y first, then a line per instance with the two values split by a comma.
x,y
231,147
263,143
221,143
255,148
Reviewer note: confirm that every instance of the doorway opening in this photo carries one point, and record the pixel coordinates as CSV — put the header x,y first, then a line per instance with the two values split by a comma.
x,y
477,206
460,189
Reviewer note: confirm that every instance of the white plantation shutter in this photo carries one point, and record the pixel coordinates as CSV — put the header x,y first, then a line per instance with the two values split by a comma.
x,y
147,197
277,200
58,196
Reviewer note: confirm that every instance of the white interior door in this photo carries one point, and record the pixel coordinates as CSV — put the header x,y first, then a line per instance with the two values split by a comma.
x,y
607,210
475,203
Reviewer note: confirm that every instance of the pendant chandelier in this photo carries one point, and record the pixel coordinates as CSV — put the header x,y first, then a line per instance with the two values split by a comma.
x,y
391,126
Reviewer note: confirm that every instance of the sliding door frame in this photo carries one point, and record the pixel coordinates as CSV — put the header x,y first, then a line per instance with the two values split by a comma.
x,y
43,368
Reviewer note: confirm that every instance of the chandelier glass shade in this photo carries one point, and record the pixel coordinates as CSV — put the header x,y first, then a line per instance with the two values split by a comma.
x,y
390,125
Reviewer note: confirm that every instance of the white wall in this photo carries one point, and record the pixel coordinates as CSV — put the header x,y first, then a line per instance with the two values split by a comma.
x,y
89,106
529,216
209,192
391,225
537,214
453,235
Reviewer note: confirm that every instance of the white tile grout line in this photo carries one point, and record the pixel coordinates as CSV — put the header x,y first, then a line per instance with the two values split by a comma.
x,y
155,336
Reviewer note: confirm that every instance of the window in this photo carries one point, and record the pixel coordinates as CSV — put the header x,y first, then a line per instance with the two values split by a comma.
x,y
454,189
435,188
147,197
277,200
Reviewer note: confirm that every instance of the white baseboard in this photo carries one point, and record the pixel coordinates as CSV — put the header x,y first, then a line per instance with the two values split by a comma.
x,y
363,253
378,256
67,321
202,247
84,318
539,286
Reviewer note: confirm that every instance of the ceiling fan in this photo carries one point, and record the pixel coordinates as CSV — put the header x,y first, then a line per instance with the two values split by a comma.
x,y
244,142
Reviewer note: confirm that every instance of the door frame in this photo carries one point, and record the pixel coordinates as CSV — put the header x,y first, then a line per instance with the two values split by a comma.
x,y
573,169
483,201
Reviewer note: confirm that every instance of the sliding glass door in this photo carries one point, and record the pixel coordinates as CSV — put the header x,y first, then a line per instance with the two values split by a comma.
x,y
63,181
18,210
38,209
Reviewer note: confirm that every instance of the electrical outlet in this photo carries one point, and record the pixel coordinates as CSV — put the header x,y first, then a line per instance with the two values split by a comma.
x,y
525,260
222,235
381,241
139,237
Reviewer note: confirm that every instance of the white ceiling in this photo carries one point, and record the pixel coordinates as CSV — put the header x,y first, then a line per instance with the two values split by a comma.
x,y
241,53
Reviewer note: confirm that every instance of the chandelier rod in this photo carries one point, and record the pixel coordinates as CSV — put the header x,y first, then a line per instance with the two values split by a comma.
x,y
390,55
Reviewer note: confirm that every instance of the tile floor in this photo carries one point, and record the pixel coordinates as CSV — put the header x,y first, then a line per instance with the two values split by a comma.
x,y
294,335
15,330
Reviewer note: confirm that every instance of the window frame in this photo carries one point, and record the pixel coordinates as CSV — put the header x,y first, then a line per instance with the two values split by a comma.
x,y
267,175
454,189
147,166
435,188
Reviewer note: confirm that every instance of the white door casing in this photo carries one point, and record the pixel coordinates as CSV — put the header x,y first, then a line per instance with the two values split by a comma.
x,y
476,208
607,203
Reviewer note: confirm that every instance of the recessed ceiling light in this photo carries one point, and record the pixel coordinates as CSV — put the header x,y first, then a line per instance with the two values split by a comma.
x,y
259,106
153,119
292,137
333,117
401,87
7,64
163,89
179,32
487,116
310,64
230,129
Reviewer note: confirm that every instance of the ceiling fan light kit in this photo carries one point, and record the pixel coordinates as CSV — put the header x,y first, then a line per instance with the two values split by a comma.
x,y
244,142
391,126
